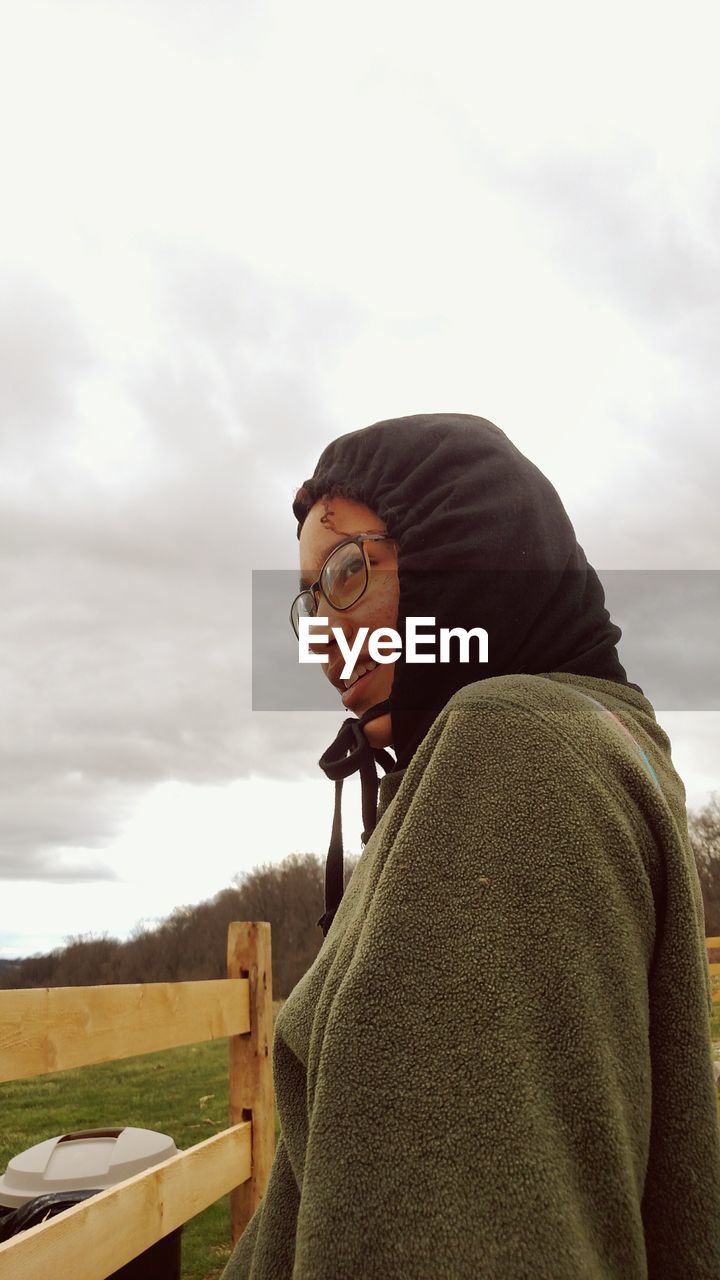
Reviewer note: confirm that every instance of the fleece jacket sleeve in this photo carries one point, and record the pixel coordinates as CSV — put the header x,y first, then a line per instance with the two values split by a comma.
x,y
480,1075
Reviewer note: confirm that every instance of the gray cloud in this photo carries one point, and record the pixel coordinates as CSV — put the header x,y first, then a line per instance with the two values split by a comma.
x,y
44,354
613,228
670,621
54,825
125,652
607,224
125,641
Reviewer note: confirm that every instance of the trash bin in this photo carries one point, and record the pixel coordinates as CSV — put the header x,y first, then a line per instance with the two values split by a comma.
x,y
60,1172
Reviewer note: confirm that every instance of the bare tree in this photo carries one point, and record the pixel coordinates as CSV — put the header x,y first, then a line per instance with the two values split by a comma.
x,y
191,943
704,828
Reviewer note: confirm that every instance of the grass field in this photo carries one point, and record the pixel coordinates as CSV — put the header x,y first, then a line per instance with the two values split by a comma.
x,y
182,1092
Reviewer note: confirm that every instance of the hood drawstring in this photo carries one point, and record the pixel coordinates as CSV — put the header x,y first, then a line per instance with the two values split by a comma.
x,y
349,753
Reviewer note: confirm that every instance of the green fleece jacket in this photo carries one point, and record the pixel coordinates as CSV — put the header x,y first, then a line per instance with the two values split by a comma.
x,y
499,1064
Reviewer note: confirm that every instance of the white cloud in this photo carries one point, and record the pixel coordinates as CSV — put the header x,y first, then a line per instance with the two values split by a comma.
x,y
230,233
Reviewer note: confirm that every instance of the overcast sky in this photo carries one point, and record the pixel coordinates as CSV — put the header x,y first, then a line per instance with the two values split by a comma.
x,y
233,231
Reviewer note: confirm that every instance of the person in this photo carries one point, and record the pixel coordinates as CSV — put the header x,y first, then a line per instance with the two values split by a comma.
x,y
499,1065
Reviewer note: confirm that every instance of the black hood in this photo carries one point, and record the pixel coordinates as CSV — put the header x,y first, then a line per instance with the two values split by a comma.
x,y
483,540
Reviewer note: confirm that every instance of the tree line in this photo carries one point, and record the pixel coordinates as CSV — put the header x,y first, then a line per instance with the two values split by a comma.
x,y
191,942
704,828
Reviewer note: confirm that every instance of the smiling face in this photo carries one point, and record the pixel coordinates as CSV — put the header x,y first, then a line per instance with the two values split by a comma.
x,y
329,522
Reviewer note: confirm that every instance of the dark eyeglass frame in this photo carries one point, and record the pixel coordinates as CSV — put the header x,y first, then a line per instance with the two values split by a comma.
x,y
359,540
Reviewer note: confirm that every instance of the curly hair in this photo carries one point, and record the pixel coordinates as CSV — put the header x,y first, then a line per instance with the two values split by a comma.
x,y
312,491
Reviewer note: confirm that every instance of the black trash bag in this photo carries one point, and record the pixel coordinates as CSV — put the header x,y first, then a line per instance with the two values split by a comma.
x,y
33,1212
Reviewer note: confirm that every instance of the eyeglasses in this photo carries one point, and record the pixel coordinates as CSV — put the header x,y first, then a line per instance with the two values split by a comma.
x,y
342,580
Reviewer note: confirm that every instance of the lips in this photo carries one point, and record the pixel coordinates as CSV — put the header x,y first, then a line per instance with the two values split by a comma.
x,y
335,669
355,692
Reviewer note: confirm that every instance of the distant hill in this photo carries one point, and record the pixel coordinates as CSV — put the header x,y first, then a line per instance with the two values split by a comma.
x,y
191,943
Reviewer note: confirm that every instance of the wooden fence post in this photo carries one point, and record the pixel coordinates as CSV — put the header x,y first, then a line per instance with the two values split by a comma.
x,y
250,1087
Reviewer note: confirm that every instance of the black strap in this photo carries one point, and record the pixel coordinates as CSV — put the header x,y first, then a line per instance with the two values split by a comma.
x,y
349,753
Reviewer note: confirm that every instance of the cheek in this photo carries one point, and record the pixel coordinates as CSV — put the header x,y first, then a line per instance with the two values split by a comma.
x,y
383,609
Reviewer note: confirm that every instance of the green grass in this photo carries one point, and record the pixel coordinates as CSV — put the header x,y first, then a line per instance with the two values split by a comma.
x,y
181,1092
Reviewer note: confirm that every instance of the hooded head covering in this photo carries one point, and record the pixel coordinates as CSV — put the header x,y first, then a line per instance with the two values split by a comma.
x,y
483,540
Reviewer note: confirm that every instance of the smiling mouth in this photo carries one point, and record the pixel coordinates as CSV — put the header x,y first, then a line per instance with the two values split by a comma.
x,y
364,670
353,694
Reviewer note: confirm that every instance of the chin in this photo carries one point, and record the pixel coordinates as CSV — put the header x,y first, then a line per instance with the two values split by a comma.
x,y
379,732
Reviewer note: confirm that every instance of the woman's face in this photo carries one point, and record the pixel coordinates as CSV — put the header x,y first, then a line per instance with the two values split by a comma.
x,y
329,522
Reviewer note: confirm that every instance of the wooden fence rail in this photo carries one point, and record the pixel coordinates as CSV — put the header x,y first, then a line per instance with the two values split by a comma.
x,y
58,1028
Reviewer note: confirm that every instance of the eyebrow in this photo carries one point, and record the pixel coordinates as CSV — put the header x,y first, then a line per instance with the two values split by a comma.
x,y
306,579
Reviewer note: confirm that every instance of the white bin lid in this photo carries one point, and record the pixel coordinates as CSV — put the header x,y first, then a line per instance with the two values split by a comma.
x,y
87,1161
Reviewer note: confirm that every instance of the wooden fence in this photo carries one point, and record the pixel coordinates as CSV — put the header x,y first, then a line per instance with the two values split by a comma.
x,y
57,1028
